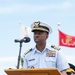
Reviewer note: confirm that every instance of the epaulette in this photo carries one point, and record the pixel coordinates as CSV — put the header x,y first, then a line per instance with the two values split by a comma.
x,y
28,51
55,47
70,70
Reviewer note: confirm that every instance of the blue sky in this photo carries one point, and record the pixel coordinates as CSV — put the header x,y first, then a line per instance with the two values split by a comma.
x,y
27,11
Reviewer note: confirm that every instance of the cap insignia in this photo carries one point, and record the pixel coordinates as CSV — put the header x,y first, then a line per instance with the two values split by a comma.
x,y
37,24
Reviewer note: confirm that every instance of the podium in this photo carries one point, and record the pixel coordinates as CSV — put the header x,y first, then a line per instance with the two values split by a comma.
x,y
33,71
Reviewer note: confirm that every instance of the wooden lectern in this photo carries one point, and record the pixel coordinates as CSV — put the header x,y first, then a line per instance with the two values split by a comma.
x,y
33,71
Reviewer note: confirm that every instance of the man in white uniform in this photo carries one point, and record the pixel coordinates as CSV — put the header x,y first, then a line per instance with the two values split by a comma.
x,y
42,55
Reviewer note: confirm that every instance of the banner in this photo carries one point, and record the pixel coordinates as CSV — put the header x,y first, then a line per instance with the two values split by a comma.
x,y
66,40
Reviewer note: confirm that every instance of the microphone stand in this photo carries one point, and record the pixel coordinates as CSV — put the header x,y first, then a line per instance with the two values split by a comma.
x,y
25,39
19,56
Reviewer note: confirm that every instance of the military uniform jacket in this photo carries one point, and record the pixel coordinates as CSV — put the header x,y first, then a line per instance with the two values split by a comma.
x,y
48,58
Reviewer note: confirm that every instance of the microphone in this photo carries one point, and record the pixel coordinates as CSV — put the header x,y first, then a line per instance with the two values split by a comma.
x,y
25,40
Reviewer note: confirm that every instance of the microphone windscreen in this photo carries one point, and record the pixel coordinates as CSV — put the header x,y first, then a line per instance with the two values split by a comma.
x,y
27,39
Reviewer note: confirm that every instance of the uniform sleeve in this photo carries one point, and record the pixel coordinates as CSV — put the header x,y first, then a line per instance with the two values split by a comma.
x,y
61,63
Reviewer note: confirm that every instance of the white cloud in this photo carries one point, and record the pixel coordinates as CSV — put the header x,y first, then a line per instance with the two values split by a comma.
x,y
66,5
7,59
13,8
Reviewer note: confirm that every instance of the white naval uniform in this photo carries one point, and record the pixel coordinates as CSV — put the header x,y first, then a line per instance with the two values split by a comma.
x,y
48,58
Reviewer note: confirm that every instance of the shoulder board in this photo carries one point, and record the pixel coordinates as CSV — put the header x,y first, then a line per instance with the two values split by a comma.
x,y
55,47
28,51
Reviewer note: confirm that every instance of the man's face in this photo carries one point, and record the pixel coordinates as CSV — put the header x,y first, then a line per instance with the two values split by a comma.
x,y
40,37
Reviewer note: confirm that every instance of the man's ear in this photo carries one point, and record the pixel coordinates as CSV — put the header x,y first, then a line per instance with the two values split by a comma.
x,y
47,36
